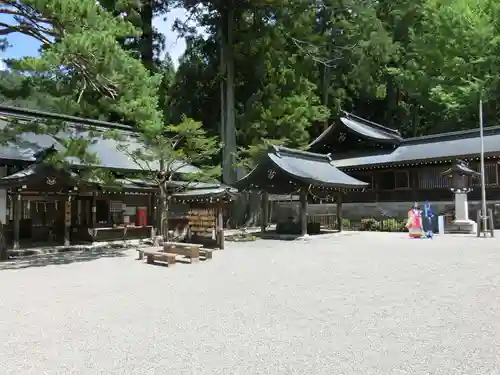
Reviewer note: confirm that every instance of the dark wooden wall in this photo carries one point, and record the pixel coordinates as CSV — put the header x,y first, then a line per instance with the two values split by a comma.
x,y
419,183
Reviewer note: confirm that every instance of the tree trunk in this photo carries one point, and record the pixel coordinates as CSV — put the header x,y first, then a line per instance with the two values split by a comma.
x,y
228,118
223,74
325,91
324,69
164,206
147,50
228,167
164,220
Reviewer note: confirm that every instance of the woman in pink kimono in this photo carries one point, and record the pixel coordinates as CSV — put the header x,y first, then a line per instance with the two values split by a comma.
x,y
414,225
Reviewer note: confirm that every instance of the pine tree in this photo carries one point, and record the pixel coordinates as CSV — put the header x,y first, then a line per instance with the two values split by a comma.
x,y
83,67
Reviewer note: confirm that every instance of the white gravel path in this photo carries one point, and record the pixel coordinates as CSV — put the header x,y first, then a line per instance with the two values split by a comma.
x,y
365,303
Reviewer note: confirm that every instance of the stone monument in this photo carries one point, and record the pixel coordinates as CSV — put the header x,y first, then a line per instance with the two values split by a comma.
x,y
460,175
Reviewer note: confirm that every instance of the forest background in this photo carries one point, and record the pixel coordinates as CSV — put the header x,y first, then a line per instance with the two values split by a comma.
x,y
258,71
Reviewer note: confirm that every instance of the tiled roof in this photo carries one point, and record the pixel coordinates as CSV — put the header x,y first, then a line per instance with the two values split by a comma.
x,y
106,150
281,164
360,127
448,146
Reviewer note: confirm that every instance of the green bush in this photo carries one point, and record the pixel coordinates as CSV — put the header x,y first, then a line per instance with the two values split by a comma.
x,y
370,224
346,223
373,225
392,225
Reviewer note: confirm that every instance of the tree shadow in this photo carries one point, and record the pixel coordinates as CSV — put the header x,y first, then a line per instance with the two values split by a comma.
x,y
66,257
273,235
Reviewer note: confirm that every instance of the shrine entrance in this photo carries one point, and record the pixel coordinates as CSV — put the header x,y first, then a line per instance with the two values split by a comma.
x,y
287,171
39,206
42,220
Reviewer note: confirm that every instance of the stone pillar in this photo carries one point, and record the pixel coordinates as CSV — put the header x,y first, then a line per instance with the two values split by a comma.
x,y
264,204
462,223
303,212
461,207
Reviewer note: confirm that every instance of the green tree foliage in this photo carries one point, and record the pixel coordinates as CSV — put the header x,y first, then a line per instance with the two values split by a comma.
x,y
87,68
413,66
275,100
175,159
452,57
149,43
82,67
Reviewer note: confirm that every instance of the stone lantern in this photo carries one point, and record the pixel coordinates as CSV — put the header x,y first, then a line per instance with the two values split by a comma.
x,y
460,175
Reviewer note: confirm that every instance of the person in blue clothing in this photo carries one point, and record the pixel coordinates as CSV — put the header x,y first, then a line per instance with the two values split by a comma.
x,y
427,219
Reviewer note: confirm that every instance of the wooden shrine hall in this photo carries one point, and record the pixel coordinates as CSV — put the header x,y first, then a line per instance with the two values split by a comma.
x,y
50,206
310,175
43,205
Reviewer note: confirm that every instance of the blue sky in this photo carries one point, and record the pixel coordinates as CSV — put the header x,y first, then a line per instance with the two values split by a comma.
x,y
23,45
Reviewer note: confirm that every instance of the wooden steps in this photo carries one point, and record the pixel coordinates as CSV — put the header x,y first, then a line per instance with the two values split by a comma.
x,y
152,256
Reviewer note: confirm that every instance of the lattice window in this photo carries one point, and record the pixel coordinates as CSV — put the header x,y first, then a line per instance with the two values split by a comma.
x,y
115,206
26,210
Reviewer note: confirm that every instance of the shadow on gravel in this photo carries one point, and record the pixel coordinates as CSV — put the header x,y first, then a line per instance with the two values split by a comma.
x,y
67,257
272,235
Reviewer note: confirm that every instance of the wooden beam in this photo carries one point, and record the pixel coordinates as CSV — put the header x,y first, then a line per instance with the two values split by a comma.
x,y
94,210
339,212
264,204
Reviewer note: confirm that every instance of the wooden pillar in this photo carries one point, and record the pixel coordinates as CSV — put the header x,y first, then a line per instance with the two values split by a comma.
x,y
303,211
17,206
264,204
152,214
94,211
219,223
339,212
67,220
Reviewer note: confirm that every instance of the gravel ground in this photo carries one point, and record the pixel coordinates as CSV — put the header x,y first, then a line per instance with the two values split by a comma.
x,y
356,303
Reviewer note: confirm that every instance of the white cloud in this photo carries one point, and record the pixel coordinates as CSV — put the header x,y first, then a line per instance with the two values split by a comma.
x,y
3,65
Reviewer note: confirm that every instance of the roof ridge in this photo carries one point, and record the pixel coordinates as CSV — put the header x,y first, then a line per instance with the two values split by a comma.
x,y
368,122
469,132
281,149
31,113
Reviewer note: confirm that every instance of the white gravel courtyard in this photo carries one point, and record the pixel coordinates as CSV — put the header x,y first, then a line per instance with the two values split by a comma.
x,y
356,303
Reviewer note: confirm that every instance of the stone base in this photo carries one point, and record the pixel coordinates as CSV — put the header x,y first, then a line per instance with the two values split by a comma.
x,y
463,226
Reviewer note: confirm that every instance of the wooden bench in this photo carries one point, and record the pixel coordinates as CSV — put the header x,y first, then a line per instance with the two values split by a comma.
x,y
207,253
151,256
140,253
189,250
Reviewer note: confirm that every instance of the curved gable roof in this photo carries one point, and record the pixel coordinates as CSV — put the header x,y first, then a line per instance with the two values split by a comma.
x,y
361,127
281,164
